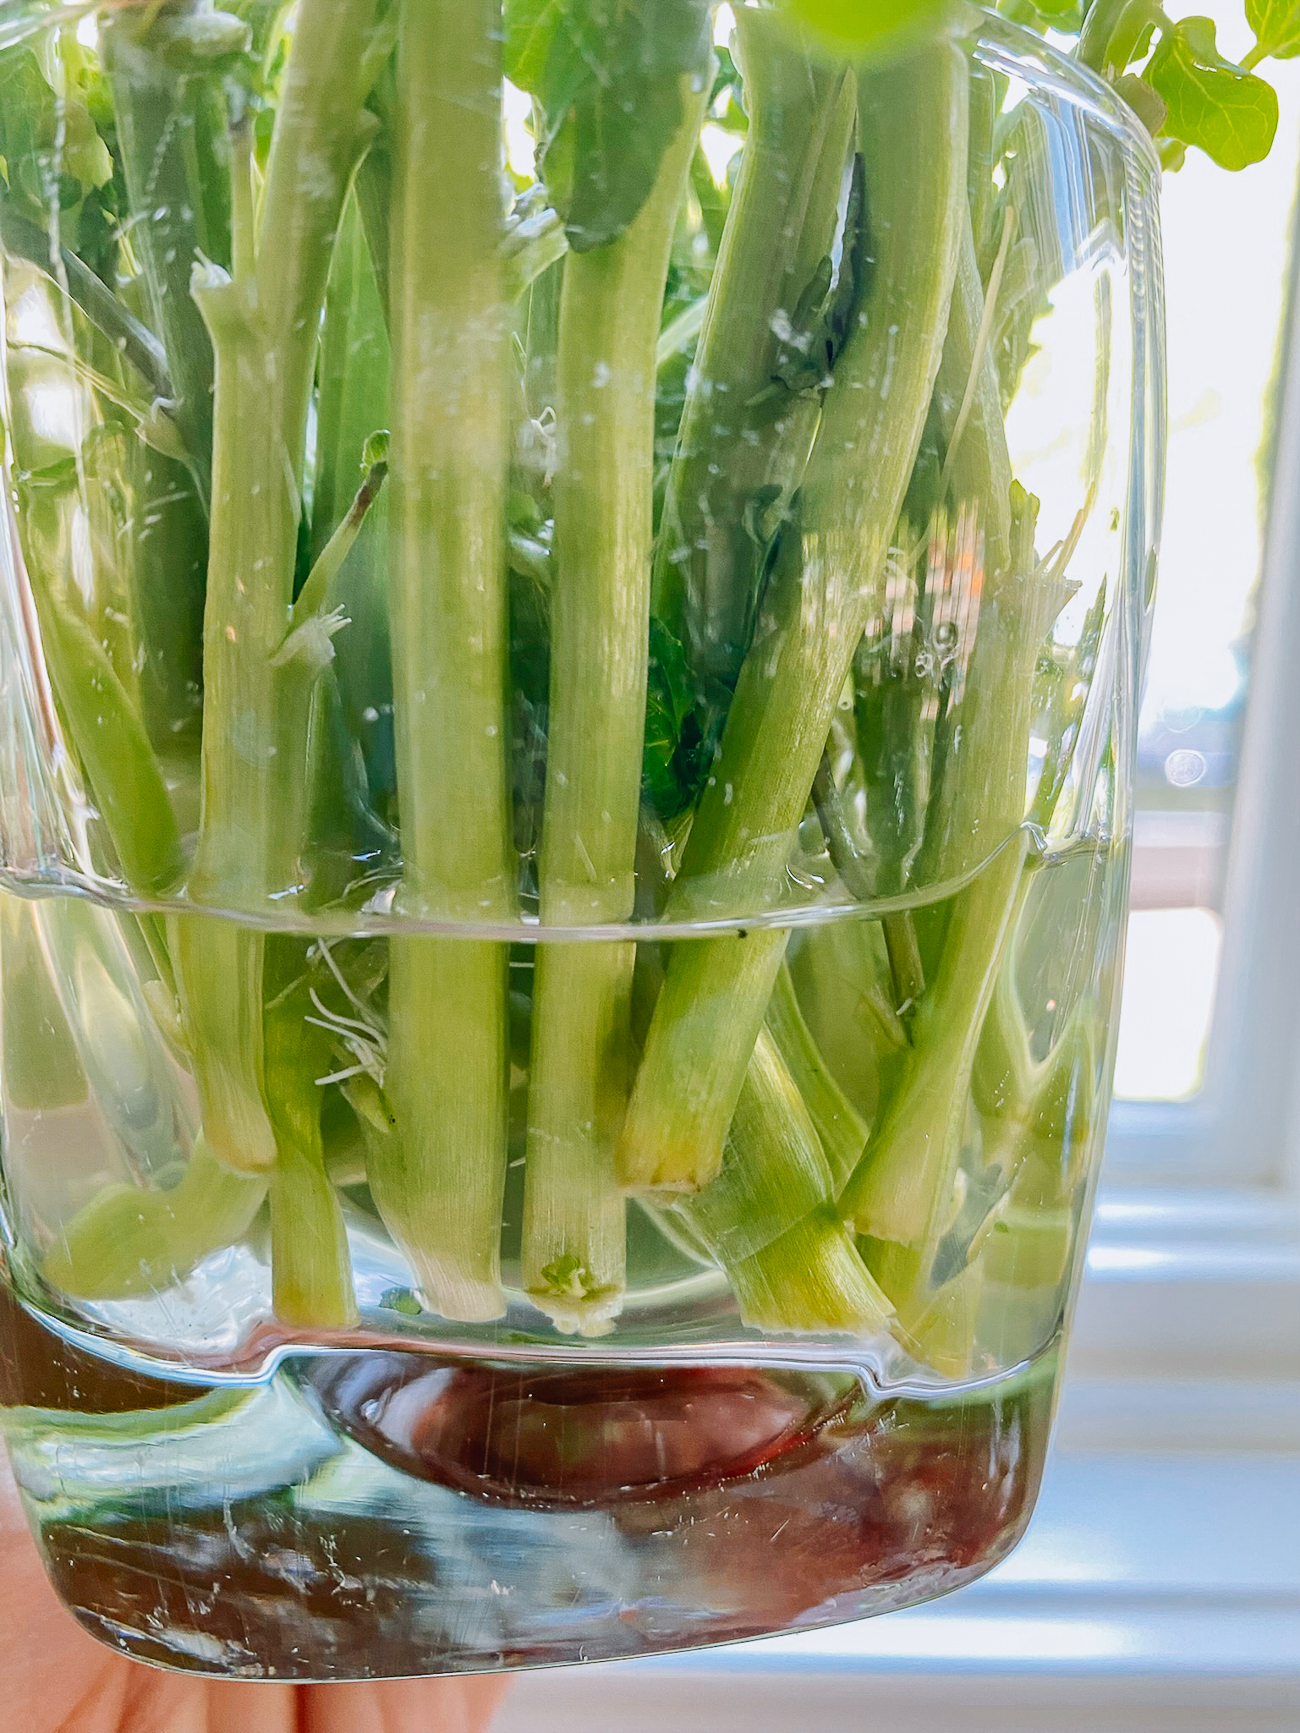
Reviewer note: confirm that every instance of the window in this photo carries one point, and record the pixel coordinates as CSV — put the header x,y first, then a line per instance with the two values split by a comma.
x,y
1226,305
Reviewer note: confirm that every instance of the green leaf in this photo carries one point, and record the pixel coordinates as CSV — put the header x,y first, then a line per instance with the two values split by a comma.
x,y
1146,103
673,757
1064,14
531,27
608,76
812,336
858,24
1276,24
1227,112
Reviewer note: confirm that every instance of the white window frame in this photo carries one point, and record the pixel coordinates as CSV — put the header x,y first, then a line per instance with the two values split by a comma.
x,y
1242,1130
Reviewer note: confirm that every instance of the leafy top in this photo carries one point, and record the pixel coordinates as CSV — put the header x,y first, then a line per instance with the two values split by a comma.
x,y
1210,102
609,77
1186,93
1276,24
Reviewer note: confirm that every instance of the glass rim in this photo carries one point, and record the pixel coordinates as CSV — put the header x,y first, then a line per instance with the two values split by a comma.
x,y
1088,89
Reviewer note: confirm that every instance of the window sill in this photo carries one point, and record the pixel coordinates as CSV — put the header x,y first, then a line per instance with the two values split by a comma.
x,y
1191,1283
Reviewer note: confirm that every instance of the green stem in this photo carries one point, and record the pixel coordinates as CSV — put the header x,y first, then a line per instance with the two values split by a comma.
x,y
311,1269
840,971
352,405
374,203
574,1228
131,1243
263,323
1122,28
840,1127
167,538
736,436
904,1180
899,927
828,578
441,1189
979,795
352,373
904,952
977,467
769,1217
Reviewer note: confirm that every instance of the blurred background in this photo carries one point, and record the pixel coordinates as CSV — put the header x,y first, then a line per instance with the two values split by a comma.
x,y
1228,242
1158,1590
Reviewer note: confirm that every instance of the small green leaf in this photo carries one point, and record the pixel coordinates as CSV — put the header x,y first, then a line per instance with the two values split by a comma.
x,y
1276,24
531,26
608,76
1227,112
671,762
1146,103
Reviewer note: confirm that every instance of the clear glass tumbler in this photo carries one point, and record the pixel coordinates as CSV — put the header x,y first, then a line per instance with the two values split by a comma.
x,y
570,621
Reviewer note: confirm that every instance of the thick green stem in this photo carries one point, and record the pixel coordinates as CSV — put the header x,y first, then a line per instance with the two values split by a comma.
x,y
311,1269
770,1219
263,322
574,1228
828,578
968,402
840,1127
131,1243
904,1180
739,437
441,1190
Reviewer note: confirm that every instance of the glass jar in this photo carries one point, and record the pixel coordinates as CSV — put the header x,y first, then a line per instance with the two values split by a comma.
x,y
567,683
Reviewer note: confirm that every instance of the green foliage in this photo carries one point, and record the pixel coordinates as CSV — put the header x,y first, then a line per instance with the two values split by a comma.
x,y
1276,24
1172,75
609,78
53,154
1209,102
676,749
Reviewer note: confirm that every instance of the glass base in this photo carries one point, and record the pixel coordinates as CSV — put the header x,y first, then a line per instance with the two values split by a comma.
x,y
378,1515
